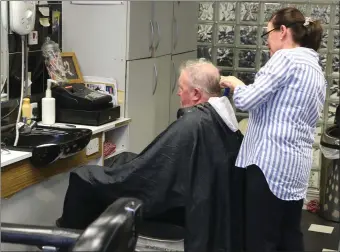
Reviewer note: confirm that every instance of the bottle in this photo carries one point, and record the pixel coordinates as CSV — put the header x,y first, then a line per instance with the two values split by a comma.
x,y
48,105
26,110
53,60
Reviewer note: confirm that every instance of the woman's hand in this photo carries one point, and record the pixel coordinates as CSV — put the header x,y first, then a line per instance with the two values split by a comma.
x,y
230,82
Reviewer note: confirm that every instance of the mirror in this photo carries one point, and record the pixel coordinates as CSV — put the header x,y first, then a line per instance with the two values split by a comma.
x,y
4,64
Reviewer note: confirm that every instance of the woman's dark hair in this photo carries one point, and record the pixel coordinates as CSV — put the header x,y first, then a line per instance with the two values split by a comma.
x,y
308,35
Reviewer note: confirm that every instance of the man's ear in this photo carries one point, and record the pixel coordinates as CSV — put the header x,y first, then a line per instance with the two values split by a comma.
x,y
197,94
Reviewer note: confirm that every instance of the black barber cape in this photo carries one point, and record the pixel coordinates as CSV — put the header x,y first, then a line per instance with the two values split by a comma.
x,y
189,165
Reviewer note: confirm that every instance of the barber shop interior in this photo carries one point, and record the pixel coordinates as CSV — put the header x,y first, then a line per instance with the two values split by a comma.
x,y
182,126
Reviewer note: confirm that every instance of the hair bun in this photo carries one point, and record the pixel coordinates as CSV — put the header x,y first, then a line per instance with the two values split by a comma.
x,y
308,20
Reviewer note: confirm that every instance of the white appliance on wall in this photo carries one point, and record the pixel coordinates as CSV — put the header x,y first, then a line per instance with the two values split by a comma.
x,y
22,16
141,44
4,49
21,21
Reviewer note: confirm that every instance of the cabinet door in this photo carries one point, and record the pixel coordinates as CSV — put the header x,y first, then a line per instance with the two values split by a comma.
x,y
163,14
162,93
174,98
185,26
141,30
140,102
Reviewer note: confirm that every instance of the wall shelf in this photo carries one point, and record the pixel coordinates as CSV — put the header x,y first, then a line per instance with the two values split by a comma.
x,y
117,152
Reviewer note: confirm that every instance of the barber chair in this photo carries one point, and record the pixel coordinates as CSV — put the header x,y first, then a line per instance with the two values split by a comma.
x,y
113,231
158,236
163,232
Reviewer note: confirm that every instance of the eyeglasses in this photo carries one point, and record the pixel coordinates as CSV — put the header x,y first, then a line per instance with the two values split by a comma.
x,y
287,26
266,34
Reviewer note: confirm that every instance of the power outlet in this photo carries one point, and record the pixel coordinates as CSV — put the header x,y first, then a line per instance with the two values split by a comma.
x,y
314,179
92,147
34,112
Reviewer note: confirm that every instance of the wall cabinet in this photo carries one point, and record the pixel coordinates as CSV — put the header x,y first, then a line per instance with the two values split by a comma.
x,y
163,16
160,27
147,99
184,29
162,93
139,94
141,31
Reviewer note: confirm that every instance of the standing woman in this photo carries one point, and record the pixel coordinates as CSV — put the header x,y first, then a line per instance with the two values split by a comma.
x,y
284,103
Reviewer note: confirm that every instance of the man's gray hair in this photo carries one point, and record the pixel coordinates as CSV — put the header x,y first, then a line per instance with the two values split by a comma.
x,y
203,75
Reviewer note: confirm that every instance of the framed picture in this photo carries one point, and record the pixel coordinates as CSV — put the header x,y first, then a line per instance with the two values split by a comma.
x,y
71,66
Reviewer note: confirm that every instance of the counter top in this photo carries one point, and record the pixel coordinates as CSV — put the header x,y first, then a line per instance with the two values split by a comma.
x,y
16,156
13,156
95,129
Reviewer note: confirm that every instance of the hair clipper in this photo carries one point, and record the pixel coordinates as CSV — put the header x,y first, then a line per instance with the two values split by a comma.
x,y
225,91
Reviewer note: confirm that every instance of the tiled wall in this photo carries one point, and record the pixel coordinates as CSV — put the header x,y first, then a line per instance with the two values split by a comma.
x,y
229,34
36,65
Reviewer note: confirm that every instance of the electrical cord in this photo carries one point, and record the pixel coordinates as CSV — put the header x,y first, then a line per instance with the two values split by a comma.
x,y
22,89
3,84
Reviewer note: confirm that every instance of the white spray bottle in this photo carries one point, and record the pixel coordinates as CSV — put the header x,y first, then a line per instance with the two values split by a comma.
x,y
48,105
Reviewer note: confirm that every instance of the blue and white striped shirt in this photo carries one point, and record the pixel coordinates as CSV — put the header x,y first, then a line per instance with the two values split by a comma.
x,y
284,103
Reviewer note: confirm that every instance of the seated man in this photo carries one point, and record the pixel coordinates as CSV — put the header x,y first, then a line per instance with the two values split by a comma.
x,y
189,166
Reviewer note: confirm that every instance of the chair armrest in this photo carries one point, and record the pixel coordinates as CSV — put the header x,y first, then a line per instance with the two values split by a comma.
x,y
114,230
38,236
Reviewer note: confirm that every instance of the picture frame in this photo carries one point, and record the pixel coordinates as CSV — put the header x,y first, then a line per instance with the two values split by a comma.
x,y
70,62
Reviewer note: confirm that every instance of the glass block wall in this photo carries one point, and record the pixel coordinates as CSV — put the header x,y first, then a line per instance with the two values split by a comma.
x,y
229,34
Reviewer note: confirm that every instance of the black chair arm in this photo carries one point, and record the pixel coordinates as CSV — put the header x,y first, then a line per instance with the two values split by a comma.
x,y
113,231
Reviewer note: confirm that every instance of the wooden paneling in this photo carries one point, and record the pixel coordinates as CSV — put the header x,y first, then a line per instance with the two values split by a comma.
x,y
18,176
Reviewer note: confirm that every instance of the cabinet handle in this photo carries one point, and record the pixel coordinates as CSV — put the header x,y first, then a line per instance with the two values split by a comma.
x,y
156,79
175,33
152,35
158,35
175,78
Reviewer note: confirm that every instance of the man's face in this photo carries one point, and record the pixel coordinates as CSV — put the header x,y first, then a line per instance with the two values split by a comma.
x,y
187,93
